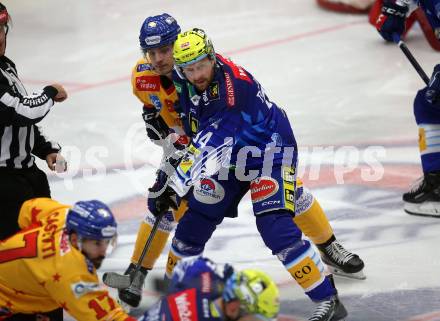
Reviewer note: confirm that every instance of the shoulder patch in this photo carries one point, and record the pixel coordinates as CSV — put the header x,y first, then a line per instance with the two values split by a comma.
x,y
80,288
143,67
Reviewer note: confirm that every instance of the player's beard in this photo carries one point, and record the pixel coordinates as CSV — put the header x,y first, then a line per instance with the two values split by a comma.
x,y
202,84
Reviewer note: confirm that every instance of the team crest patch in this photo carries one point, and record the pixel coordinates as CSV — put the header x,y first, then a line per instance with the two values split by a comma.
x,y
208,191
214,91
263,188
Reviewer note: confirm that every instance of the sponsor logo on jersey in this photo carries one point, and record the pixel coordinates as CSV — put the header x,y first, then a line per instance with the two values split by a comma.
x,y
147,83
230,95
289,175
267,203
156,102
178,87
143,67
183,305
81,288
206,282
208,191
194,123
262,188
289,187
205,306
306,273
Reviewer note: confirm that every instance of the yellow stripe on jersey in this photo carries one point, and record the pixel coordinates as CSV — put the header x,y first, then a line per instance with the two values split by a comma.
x,y
422,139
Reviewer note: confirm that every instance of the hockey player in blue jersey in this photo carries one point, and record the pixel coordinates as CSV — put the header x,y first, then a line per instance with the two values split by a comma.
x,y
152,84
394,18
198,291
424,198
241,141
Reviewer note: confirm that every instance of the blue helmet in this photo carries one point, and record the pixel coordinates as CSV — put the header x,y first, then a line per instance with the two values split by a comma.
x,y
158,31
92,220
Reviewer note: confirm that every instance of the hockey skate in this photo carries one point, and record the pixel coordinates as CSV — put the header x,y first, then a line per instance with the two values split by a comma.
x,y
342,262
133,294
329,310
424,197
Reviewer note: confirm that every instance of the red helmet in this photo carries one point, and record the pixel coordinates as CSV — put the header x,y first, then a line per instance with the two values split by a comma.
x,y
4,16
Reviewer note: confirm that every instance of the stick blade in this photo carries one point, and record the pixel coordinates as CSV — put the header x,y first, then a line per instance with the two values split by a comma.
x,y
116,280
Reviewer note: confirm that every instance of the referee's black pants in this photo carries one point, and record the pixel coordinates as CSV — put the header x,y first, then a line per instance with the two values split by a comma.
x,y
17,186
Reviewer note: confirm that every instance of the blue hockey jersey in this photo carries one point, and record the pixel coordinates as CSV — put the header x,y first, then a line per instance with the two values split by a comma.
x,y
234,115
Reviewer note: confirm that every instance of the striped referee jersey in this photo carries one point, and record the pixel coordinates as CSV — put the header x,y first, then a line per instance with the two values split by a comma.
x,y
20,137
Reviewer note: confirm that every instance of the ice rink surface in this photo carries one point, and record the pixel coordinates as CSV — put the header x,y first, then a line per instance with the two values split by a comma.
x,y
347,93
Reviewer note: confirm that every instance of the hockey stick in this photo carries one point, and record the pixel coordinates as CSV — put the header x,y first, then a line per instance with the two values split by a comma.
x,y
411,59
123,281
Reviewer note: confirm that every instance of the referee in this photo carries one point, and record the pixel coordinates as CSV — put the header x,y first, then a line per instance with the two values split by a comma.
x,y
20,138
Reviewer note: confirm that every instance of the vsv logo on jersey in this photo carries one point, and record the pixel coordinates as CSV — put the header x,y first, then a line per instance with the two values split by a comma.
x,y
148,83
208,191
183,305
263,188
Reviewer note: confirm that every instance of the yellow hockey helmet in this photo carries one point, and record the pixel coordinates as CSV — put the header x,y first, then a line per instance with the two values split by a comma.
x,y
257,292
192,46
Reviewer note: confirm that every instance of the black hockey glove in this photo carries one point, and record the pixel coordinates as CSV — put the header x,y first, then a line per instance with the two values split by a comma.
x,y
156,127
161,197
391,22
